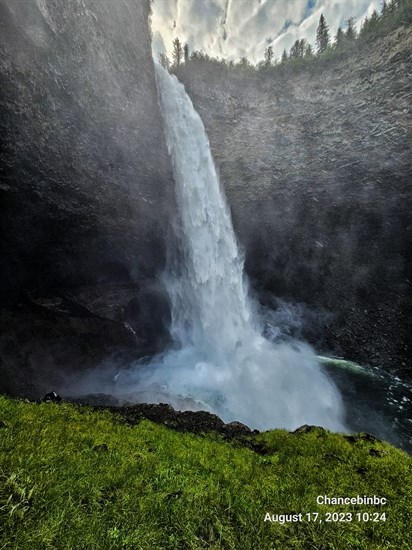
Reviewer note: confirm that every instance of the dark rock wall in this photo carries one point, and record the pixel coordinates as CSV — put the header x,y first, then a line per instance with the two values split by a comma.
x,y
316,163
85,188
84,181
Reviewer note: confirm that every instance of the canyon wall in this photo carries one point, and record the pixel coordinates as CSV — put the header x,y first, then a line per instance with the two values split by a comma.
x,y
316,163
85,184
84,177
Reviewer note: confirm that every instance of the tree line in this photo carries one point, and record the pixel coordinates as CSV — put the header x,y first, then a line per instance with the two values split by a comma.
x,y
393,14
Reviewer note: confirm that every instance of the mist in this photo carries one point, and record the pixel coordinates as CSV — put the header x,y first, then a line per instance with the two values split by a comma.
x,y
220,360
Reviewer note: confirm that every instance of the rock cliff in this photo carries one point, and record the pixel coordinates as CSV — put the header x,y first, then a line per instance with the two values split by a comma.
x,y
316,164
84,180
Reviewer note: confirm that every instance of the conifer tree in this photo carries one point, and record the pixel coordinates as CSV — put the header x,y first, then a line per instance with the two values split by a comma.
x,y
164,61
298,49
322,35
374,19
284,56
350,31
196,55
244,62
308,51
177,52
268,55
186,53
339,39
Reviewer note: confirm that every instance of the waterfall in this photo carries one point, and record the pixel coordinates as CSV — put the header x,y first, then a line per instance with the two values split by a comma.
x,y
209,300
220,360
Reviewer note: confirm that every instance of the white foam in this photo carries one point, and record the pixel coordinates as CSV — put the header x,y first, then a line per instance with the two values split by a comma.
x,y
220,357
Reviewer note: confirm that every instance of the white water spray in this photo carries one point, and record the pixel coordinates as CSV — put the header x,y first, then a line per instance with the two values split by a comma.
x,y
220,360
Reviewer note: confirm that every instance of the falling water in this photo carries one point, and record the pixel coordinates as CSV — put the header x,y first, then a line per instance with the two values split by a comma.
x,y
220,361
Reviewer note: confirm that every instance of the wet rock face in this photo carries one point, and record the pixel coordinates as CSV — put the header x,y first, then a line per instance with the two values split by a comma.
x,y
85,180
316,164
85,189
43,340
48,340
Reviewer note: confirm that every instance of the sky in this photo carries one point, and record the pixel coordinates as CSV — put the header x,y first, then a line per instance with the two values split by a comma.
x,y
231,29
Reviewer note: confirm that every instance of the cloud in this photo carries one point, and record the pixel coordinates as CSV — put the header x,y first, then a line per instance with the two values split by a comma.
x,y
235,28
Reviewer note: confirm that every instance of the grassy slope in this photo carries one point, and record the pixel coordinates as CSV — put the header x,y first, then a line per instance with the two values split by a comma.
x,y
153,488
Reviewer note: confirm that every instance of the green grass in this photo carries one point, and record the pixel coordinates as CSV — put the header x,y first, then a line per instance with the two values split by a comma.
x,y
148,487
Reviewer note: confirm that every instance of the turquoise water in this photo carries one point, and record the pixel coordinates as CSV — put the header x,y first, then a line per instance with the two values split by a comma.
x,y
375,401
